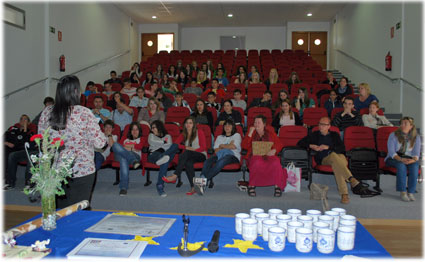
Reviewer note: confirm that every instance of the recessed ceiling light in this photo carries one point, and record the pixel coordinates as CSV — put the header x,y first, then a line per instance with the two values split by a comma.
x,y
309,14
230,15
234,36
154,17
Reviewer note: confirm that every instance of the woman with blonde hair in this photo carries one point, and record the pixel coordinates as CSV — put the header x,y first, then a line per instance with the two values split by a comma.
x,y
202,78
404,148
273,78
255,79
365,98
151,112
373,120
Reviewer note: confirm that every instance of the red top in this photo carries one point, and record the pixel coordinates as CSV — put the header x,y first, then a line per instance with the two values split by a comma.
x,y
202,142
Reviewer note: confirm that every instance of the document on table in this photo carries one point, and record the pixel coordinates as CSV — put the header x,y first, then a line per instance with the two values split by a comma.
x,y
132,225
112,248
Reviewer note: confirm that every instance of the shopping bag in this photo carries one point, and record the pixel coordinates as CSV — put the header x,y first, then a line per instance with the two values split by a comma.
x,y
294,178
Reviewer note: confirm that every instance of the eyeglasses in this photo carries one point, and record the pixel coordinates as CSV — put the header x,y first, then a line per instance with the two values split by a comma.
x,y
324,124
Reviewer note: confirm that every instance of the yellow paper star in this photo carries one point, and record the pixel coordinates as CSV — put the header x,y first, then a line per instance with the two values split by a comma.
x,y
147,239
242,245
125,214
192,246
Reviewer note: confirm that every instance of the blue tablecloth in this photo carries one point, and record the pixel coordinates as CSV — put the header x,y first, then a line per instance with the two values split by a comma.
x,y
70,232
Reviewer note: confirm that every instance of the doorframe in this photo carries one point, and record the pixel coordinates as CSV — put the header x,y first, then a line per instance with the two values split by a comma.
x,y
162,33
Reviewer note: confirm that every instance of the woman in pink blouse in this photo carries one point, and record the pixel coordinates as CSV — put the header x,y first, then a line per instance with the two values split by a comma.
x,y
81,132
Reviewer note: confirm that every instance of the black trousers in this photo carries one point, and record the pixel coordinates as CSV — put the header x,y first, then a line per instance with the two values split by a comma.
x,y
12,166
186,161
77,189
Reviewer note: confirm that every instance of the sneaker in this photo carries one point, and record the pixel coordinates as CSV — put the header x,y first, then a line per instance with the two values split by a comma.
x,y
162,160
404,197
411,197
160,190
200,184
123,192
345,199
136,164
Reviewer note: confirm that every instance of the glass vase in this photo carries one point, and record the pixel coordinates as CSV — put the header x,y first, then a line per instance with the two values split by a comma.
x,y
48,206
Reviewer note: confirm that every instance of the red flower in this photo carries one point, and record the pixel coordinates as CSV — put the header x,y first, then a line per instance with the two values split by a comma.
x,y
34,137
56,139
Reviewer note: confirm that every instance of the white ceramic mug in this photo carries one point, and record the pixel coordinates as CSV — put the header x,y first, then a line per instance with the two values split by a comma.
x,y
348,223
294,213
238,221
327,219
292,226
341,211
277,239
346,237
314,214
268,223
283,221
325,240
348,217
249,229
304,242
254,211
316,226
260,217
335,215
306,220
273,212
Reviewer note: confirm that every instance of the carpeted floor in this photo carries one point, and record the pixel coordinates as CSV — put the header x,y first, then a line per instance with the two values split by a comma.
x,y
225,197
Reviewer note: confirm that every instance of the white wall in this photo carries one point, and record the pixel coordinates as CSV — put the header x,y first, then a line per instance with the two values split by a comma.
x,y
91,32
159,28
201,38
363,31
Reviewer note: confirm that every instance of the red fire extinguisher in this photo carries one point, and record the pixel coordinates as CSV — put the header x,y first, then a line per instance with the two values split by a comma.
x,y
388,62
62,63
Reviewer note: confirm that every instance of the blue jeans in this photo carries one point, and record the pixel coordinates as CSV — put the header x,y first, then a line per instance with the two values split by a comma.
x,y
155,156
210,171
98,160
402,173
126,158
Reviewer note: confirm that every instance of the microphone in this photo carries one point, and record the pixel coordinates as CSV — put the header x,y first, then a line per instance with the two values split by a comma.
x,y
213,245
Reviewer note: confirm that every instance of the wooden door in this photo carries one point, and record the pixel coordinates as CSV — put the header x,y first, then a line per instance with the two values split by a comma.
x,y
318,47
149,45
300,41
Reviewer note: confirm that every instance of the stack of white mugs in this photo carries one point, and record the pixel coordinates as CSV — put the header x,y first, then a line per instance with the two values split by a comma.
x,y
276,227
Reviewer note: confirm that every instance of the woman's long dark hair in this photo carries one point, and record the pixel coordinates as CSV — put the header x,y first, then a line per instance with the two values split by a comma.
x,y
229,122
160,127
129,135
195,109
67,96
194,133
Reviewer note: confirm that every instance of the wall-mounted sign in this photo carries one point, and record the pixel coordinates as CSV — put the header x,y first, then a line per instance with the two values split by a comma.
x,y
392,32
59,36
52,29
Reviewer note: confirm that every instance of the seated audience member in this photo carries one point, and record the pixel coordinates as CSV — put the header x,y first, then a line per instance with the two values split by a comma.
x,y
273,78
211,101
152,90
332,102
91,89
195,66
149,79
220,65
193,89
347,118
253,69
286,117
237,99
102,114
330,80
128,152
179,101
164,82
179,66
283,95
227,149
210,66
123,115
172,88
404,149
114,78
139,100
264,170
135,71
202,115
293,79
266,101
162,152
215,87
107,88
373,120
127,88
163,100
134,79
14,150
48,101
229,114
329,150
343,89
158,73
202,79
204,67
241,70
255,78
190,72
101,154
192,140
172,73
242,79
302,101
365,98
116,97
221,78
151,112
183,79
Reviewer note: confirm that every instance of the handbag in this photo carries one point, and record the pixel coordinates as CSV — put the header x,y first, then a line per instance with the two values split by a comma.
x,y
294,178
